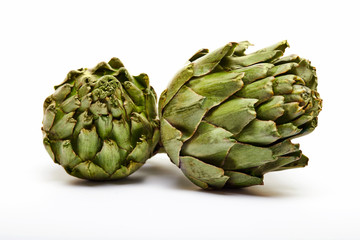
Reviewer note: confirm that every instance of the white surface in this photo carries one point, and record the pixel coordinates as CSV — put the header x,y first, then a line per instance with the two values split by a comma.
x,y
42,40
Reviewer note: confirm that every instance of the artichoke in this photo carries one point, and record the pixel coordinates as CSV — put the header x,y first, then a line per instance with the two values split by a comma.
x,y
101,123
227,117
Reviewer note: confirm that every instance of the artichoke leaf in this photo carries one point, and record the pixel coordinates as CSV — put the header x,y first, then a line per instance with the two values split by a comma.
x,y
171,140
70,104
208,62
184,75
254,72
185,111
241,48
238,179
83,120
121,134
292,111
216,87
63,127
195,169
261,89
88,143
287,59
276,165
284,147
245,61
202,52
280,46
213,151
272,109
301,162
110,157
89,170
135,93
65,154
237,110
287,130
61,92
243,156
142,81
141,151
104,125
259,132
47,145
49,116
124,171
98,108
281,69
150,100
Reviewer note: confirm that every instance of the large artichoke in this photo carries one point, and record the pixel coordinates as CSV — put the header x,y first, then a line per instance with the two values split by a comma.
x,y
101,123
227,118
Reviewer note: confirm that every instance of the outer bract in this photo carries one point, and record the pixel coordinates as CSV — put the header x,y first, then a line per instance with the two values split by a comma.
x,y
100,123
227,118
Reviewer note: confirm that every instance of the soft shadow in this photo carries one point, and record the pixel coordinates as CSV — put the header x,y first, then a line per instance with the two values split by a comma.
x,y
160,171
163,172
89,183
254,191
270,189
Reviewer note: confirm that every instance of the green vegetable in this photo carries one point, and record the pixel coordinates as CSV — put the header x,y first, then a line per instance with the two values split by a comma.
x,y
101,123
227,118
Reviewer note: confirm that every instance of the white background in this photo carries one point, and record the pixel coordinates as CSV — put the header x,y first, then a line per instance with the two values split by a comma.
x,y
42,40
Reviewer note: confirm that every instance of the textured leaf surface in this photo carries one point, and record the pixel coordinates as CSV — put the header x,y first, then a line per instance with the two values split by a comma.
x,y
212,176
215,119
101,123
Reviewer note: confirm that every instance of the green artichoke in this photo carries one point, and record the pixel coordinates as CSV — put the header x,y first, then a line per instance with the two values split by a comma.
x,y
227,118
101,123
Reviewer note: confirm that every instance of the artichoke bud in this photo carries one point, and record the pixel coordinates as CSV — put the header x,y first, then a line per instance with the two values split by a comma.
x,y
98,124
224,130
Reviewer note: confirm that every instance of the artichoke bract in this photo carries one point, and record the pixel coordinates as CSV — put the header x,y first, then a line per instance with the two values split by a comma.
x,y
101,123
227,117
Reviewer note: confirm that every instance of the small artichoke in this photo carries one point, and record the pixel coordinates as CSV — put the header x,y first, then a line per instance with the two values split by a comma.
x,y
227,118
101,123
